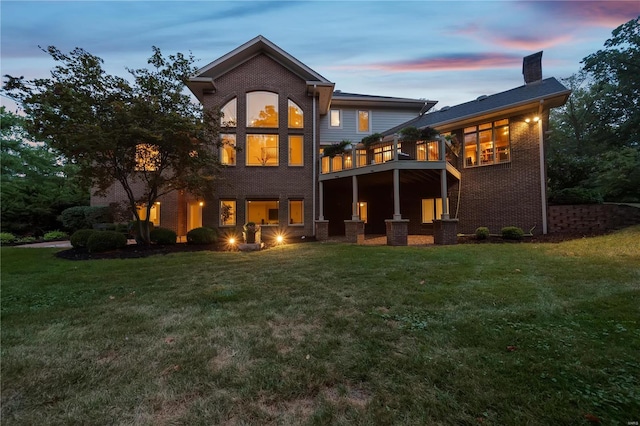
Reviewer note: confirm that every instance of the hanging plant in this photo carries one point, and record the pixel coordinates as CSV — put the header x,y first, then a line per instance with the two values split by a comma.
x,y
371,139
335,149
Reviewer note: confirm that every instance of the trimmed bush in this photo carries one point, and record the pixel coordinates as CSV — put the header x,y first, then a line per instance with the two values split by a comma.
x,y
98,214
79,238
512,233
202,235
74,218
101,241
163,236
55,236
7,238
482,233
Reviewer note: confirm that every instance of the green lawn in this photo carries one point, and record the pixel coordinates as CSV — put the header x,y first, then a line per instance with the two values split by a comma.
x,y
327,333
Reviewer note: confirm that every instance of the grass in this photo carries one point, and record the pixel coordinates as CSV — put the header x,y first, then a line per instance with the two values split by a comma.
x,y
503,334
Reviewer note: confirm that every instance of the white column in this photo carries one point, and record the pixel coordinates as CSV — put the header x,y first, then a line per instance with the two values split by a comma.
x,y
321,201
396,195
354,209
443,179
395,147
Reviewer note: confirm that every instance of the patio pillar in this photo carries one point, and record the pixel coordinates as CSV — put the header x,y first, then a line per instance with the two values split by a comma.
x,y
396,195
321,202
396,156
443,179
354,204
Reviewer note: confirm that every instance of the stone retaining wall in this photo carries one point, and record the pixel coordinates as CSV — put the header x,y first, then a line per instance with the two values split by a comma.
x,y
591,218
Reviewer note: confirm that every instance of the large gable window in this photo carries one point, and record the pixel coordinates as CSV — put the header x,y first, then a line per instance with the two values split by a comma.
x,y
230,114
262,109
262,150
296,117
487,143
228,149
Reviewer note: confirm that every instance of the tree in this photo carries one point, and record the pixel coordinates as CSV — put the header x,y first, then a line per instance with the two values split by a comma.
x,y
616,73
596,134
36,184
145,135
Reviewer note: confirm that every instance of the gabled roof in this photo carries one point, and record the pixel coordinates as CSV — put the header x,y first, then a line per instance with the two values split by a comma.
x,y
204,79
353,99
547,93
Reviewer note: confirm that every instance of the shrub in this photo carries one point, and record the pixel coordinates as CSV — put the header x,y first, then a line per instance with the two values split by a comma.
x,y
482,233
512,233
79,238
74,218
7,238
98,214
105,240
575,195
55,236
163,236
202,235
26,240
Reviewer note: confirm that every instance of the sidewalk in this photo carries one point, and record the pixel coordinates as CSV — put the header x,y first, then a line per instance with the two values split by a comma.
x,y
48,244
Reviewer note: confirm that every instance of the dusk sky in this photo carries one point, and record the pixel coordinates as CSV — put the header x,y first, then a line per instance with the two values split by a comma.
x,y
450,51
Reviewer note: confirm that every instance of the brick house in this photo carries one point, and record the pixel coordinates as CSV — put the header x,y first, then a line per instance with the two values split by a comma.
x,y
281,115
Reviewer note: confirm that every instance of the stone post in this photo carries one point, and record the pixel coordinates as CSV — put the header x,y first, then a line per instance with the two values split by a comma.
x,y
354,231
322,230
445,231
397,232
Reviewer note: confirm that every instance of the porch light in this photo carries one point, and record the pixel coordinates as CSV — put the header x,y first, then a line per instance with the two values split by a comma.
x,y
535,119
201,203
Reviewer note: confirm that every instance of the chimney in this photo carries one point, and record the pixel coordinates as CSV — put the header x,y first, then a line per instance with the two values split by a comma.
x,y
532,68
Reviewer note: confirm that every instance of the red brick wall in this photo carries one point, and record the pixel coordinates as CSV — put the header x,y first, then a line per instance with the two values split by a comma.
x,y
505,194
283,182
591,218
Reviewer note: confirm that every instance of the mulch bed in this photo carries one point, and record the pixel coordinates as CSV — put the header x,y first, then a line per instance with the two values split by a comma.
x,y
134,251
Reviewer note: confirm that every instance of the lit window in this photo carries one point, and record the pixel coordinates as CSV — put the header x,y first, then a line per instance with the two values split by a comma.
x,y
296,118
262,109
364,122
361,157
154,213
147,158
296,144
326,161
230,114
432,209
262,150
228,213
487,143
228,149
194,216
296,212
362,211
384,153
334,118
263,212
428,151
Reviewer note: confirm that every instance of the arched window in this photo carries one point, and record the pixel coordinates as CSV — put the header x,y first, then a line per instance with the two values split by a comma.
x,y
262,109
296,118
230,114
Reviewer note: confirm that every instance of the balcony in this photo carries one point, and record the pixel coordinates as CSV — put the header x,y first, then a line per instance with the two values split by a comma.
x,y
381,156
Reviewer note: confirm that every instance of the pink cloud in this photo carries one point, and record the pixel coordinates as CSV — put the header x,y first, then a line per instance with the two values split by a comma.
x,y
529,43
599,13
453,62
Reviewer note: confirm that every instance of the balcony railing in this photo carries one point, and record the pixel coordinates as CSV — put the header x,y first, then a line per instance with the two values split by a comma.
x,y
428,151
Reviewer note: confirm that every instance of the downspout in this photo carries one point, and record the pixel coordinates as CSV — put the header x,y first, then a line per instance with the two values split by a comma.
x,y
543,183
315,152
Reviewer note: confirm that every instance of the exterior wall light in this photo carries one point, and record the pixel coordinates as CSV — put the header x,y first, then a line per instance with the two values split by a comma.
x,y
201,203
